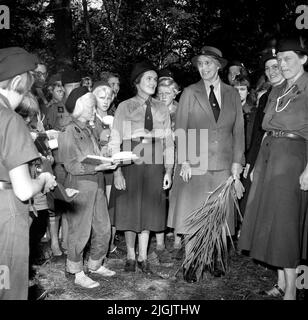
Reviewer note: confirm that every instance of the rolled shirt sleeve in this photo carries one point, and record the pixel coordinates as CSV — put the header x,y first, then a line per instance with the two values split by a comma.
x,y
17,147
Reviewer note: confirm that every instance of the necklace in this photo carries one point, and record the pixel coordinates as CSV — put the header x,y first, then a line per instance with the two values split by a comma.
x,y
281,97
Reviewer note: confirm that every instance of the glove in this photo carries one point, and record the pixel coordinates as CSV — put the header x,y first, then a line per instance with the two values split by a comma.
x,y
239,188
236,170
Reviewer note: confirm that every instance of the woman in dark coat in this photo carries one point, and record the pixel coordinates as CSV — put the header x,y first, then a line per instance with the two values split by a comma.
x,y
273,227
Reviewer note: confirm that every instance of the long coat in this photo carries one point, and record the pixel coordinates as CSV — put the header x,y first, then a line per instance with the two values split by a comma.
x,y
224,146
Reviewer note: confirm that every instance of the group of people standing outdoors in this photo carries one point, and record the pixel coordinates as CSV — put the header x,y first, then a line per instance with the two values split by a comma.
x,y
262,145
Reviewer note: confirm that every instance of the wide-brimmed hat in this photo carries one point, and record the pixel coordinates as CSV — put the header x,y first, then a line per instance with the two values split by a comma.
x,y
140,68
212,52
291,45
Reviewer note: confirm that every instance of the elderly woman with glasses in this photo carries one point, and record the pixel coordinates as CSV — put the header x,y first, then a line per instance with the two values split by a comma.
x,y
274,226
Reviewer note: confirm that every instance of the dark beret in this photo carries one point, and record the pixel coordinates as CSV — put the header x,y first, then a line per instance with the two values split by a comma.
x,y
14,61
101,83
54,78
73,97
165,73
70,76
269,55
140,68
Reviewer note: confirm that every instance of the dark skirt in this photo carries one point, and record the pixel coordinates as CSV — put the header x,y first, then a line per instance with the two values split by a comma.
x,y
142,206
273,227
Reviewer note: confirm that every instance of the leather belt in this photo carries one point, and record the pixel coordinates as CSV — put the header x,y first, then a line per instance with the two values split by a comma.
x,y
145,140
5,185
283,134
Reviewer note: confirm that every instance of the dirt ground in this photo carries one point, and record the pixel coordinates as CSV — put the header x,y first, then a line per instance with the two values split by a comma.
x,y
243,282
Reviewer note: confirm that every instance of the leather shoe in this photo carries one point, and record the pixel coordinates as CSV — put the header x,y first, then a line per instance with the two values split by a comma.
x,y
144,266
130,265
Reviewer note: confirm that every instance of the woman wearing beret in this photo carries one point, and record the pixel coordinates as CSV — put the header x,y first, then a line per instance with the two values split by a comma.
x,y
16,185
137,203
273,228
88,217
210,111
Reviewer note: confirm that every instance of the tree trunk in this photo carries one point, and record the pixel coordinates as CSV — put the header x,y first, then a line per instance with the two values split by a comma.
x,y
61,10
88,31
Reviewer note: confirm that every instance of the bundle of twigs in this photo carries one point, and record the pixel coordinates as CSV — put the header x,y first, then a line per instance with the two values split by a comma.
x,y
207,230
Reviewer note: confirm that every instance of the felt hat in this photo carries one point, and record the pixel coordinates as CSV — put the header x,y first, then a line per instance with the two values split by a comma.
x,y
212,52
291,45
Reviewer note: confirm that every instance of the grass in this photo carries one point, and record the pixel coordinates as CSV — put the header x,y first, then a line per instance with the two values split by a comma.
x,y
243,281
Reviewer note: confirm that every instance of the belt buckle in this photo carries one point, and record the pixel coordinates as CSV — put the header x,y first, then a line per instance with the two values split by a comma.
x,y
145,140
278,133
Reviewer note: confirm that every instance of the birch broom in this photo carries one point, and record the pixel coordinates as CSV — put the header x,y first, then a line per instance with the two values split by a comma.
x,y
207,229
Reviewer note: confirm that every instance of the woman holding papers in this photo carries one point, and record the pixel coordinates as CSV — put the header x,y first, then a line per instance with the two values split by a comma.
x,y
88,216
137,203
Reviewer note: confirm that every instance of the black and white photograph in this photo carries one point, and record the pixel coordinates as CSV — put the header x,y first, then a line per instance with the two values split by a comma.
x,y
154,153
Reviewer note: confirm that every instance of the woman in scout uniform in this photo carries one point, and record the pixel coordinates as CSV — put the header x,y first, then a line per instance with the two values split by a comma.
x,y
137,202
274,229
88,215
16,185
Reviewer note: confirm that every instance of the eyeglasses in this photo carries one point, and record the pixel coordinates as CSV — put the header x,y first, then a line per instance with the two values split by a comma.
x,y
40,74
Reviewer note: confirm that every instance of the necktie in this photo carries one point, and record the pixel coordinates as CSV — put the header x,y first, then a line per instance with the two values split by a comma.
x,y
148,120
214,103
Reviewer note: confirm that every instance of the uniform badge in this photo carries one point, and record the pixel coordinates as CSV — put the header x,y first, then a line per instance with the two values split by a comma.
x,y
60,109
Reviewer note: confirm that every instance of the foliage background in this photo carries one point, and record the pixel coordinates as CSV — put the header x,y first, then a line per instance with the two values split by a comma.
x,y
113,34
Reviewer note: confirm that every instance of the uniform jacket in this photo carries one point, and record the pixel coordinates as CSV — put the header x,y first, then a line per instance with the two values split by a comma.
x,y
75,143
129,123
225,137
